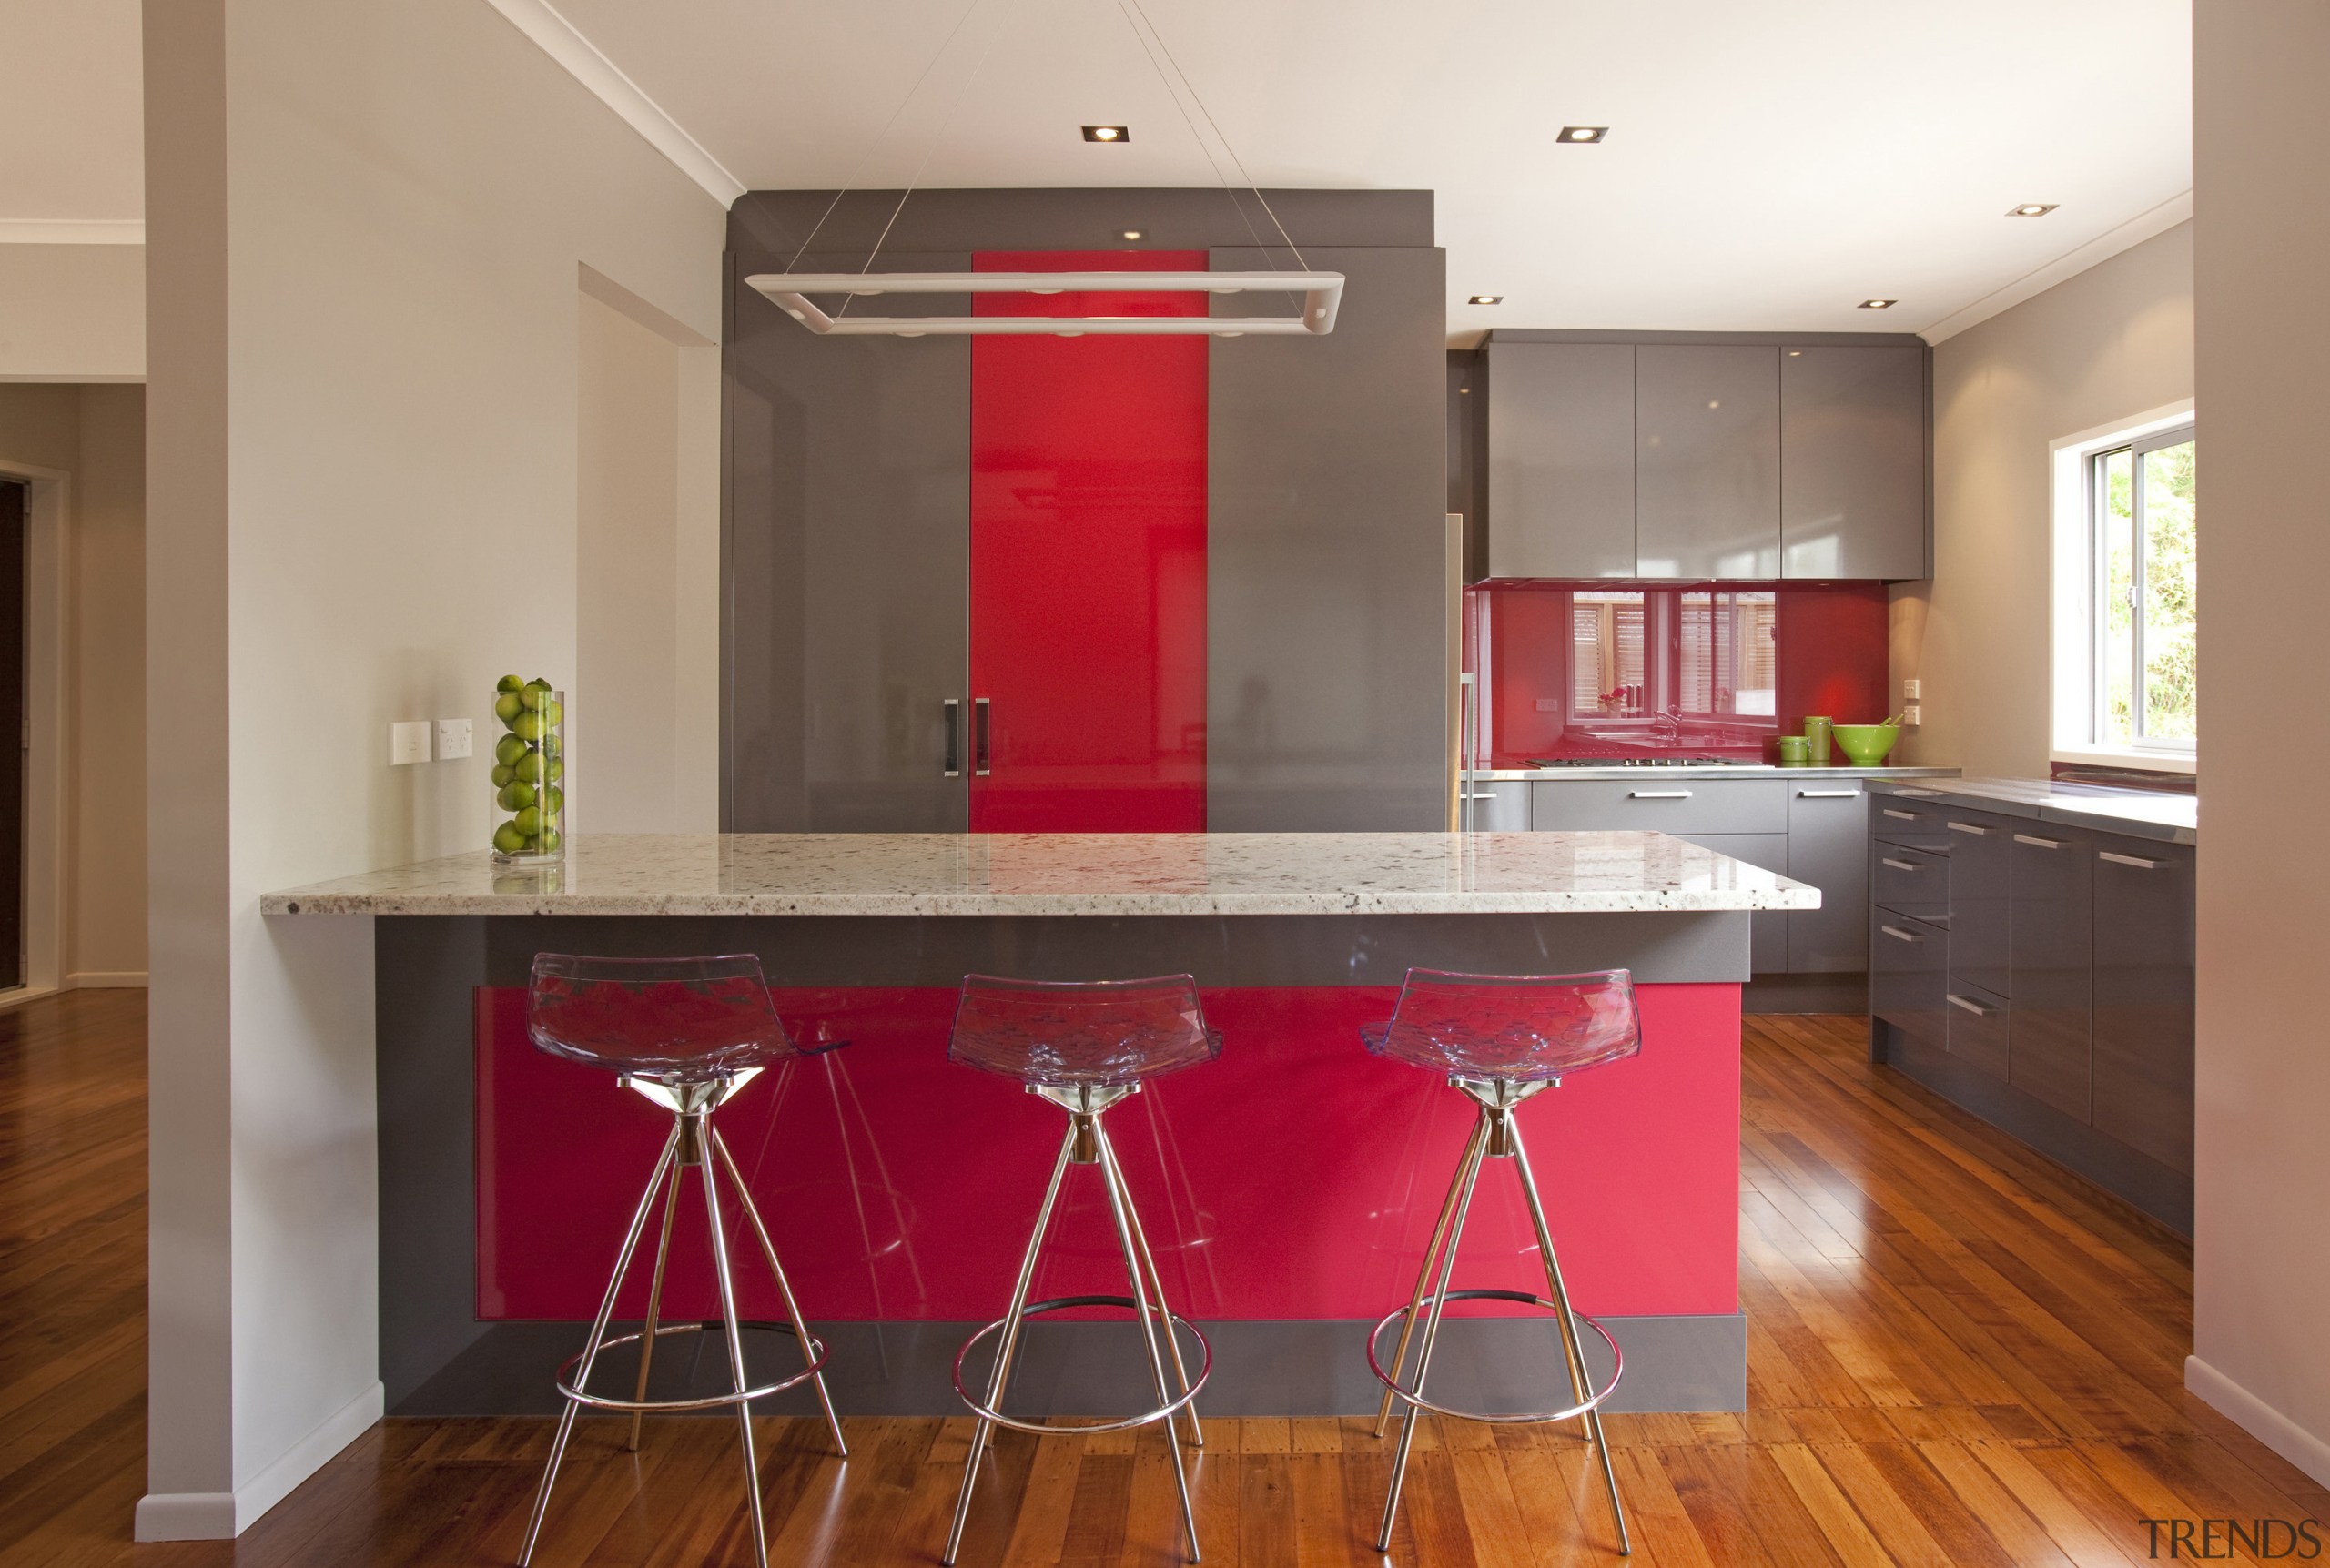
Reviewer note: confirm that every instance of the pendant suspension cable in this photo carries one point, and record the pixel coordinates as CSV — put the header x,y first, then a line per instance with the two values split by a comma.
x,y
938,139
874,146
1196,99
1195,135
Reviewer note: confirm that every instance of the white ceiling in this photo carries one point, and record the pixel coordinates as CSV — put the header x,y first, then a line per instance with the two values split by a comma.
x,y
1767,167
70,119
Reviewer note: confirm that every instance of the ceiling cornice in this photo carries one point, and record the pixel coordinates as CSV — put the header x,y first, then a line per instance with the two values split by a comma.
x,y
72,231
2037,280
606,81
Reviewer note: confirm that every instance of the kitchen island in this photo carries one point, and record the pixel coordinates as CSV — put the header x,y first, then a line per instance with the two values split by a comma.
x,y
1294,1181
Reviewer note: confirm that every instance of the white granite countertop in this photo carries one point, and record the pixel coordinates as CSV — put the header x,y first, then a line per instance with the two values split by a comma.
x,y
2140,814
1075,873
1616,770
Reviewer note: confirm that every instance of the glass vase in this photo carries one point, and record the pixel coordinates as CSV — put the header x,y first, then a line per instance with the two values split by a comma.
x,y
529,776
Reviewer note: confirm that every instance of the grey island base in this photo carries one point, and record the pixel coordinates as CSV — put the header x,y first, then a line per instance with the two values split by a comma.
x,y
1292,1183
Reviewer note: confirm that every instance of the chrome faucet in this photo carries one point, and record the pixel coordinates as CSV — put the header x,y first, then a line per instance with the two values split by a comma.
x,y
1670,717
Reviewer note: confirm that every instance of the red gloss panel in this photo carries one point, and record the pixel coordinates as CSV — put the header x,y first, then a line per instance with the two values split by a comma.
x,y
1087,560
1297,1176
1824,648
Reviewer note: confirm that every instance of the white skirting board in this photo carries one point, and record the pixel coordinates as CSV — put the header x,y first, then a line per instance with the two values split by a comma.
x,y
223,1516
2260,1420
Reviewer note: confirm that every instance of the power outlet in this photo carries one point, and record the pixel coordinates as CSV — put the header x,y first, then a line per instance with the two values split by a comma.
x,y
1909,714
408,743
1909,692
452,739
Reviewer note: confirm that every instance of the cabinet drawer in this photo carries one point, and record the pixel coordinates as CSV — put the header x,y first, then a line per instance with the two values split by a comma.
x,y
1677,806
1909,822
1909,881
1906,963
1494,807
1977,1027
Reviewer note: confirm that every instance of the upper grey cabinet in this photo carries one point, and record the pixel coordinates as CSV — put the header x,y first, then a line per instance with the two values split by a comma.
x,y
1853,462
1561,440
1707,460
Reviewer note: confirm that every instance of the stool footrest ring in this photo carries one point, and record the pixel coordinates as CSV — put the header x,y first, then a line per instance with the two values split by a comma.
x,y
708,1402
1408,1396
1040,1429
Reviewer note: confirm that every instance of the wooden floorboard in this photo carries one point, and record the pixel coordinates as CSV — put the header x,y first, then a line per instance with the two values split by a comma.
x,y
1959,1353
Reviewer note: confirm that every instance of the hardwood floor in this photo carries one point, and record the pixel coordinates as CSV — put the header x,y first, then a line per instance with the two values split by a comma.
x,y
1957,1354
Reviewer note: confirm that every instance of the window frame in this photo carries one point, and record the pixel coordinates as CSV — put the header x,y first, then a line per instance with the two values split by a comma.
x,y
2099,575
2079,630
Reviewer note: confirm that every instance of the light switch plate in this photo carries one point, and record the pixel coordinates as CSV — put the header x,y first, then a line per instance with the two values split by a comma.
x,y
1910,689
452,739
408,743
1910,715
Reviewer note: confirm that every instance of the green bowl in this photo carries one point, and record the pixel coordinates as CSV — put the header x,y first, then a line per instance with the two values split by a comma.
x,y
1866,745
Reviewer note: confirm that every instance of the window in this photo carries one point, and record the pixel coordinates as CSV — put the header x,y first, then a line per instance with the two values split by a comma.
x,y
2127,643
2143,499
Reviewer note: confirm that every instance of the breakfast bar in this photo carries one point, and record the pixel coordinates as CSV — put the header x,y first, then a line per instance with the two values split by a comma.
x,y
1294,1182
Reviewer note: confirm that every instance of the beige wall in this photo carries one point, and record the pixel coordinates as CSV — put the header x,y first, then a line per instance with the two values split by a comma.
x,y
96,435
72,312
646,680
2113,342
2262,1246
367,222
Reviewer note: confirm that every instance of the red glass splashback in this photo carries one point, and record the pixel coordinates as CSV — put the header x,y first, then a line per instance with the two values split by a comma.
x,y
1089,559
1610,668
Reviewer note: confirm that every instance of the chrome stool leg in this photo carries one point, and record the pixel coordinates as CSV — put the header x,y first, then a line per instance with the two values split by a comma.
x,y
1012,1321
1468,1175
663,1163
1424,1274
784,1289
655,1304
1128,1228
735,1341
1497,1134
1580,1384
1156,1292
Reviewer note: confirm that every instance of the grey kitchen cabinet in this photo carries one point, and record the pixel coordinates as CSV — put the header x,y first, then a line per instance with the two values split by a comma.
x,y
2050,923
1978,934
1561,460
2144,946
1827,846
1913,882
1853,483
1907,960
1687,806
1498,806
1976,1023
1707,460
1768,929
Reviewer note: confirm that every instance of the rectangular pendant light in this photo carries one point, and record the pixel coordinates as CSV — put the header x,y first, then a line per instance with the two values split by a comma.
x,y
1321,297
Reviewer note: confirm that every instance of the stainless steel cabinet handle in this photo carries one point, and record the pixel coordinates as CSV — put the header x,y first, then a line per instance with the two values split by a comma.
x,y
1971,1006
1968,827
2038,843
1899,865
1484,794
1658,795
1916,793
2138,861
954,737
1898,935
979,736
1828,794
1904,815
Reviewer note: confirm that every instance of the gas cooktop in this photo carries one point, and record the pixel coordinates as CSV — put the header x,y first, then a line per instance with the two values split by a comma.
x,y
1642,763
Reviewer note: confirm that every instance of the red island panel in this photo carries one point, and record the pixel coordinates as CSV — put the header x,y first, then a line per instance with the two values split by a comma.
x,y
1295,1177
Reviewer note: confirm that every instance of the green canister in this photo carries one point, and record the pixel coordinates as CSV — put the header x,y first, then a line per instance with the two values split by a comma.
x,y
1795,751
1816,736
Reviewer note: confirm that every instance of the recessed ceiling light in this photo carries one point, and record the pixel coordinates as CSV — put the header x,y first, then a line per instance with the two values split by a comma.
x,y
1485,299
1108,134
1584,132
2032,210
1878,304
1128,234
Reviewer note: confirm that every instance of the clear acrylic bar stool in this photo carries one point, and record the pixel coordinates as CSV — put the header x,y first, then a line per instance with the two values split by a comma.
x,y
1499,1039
1085,1046
687,1034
